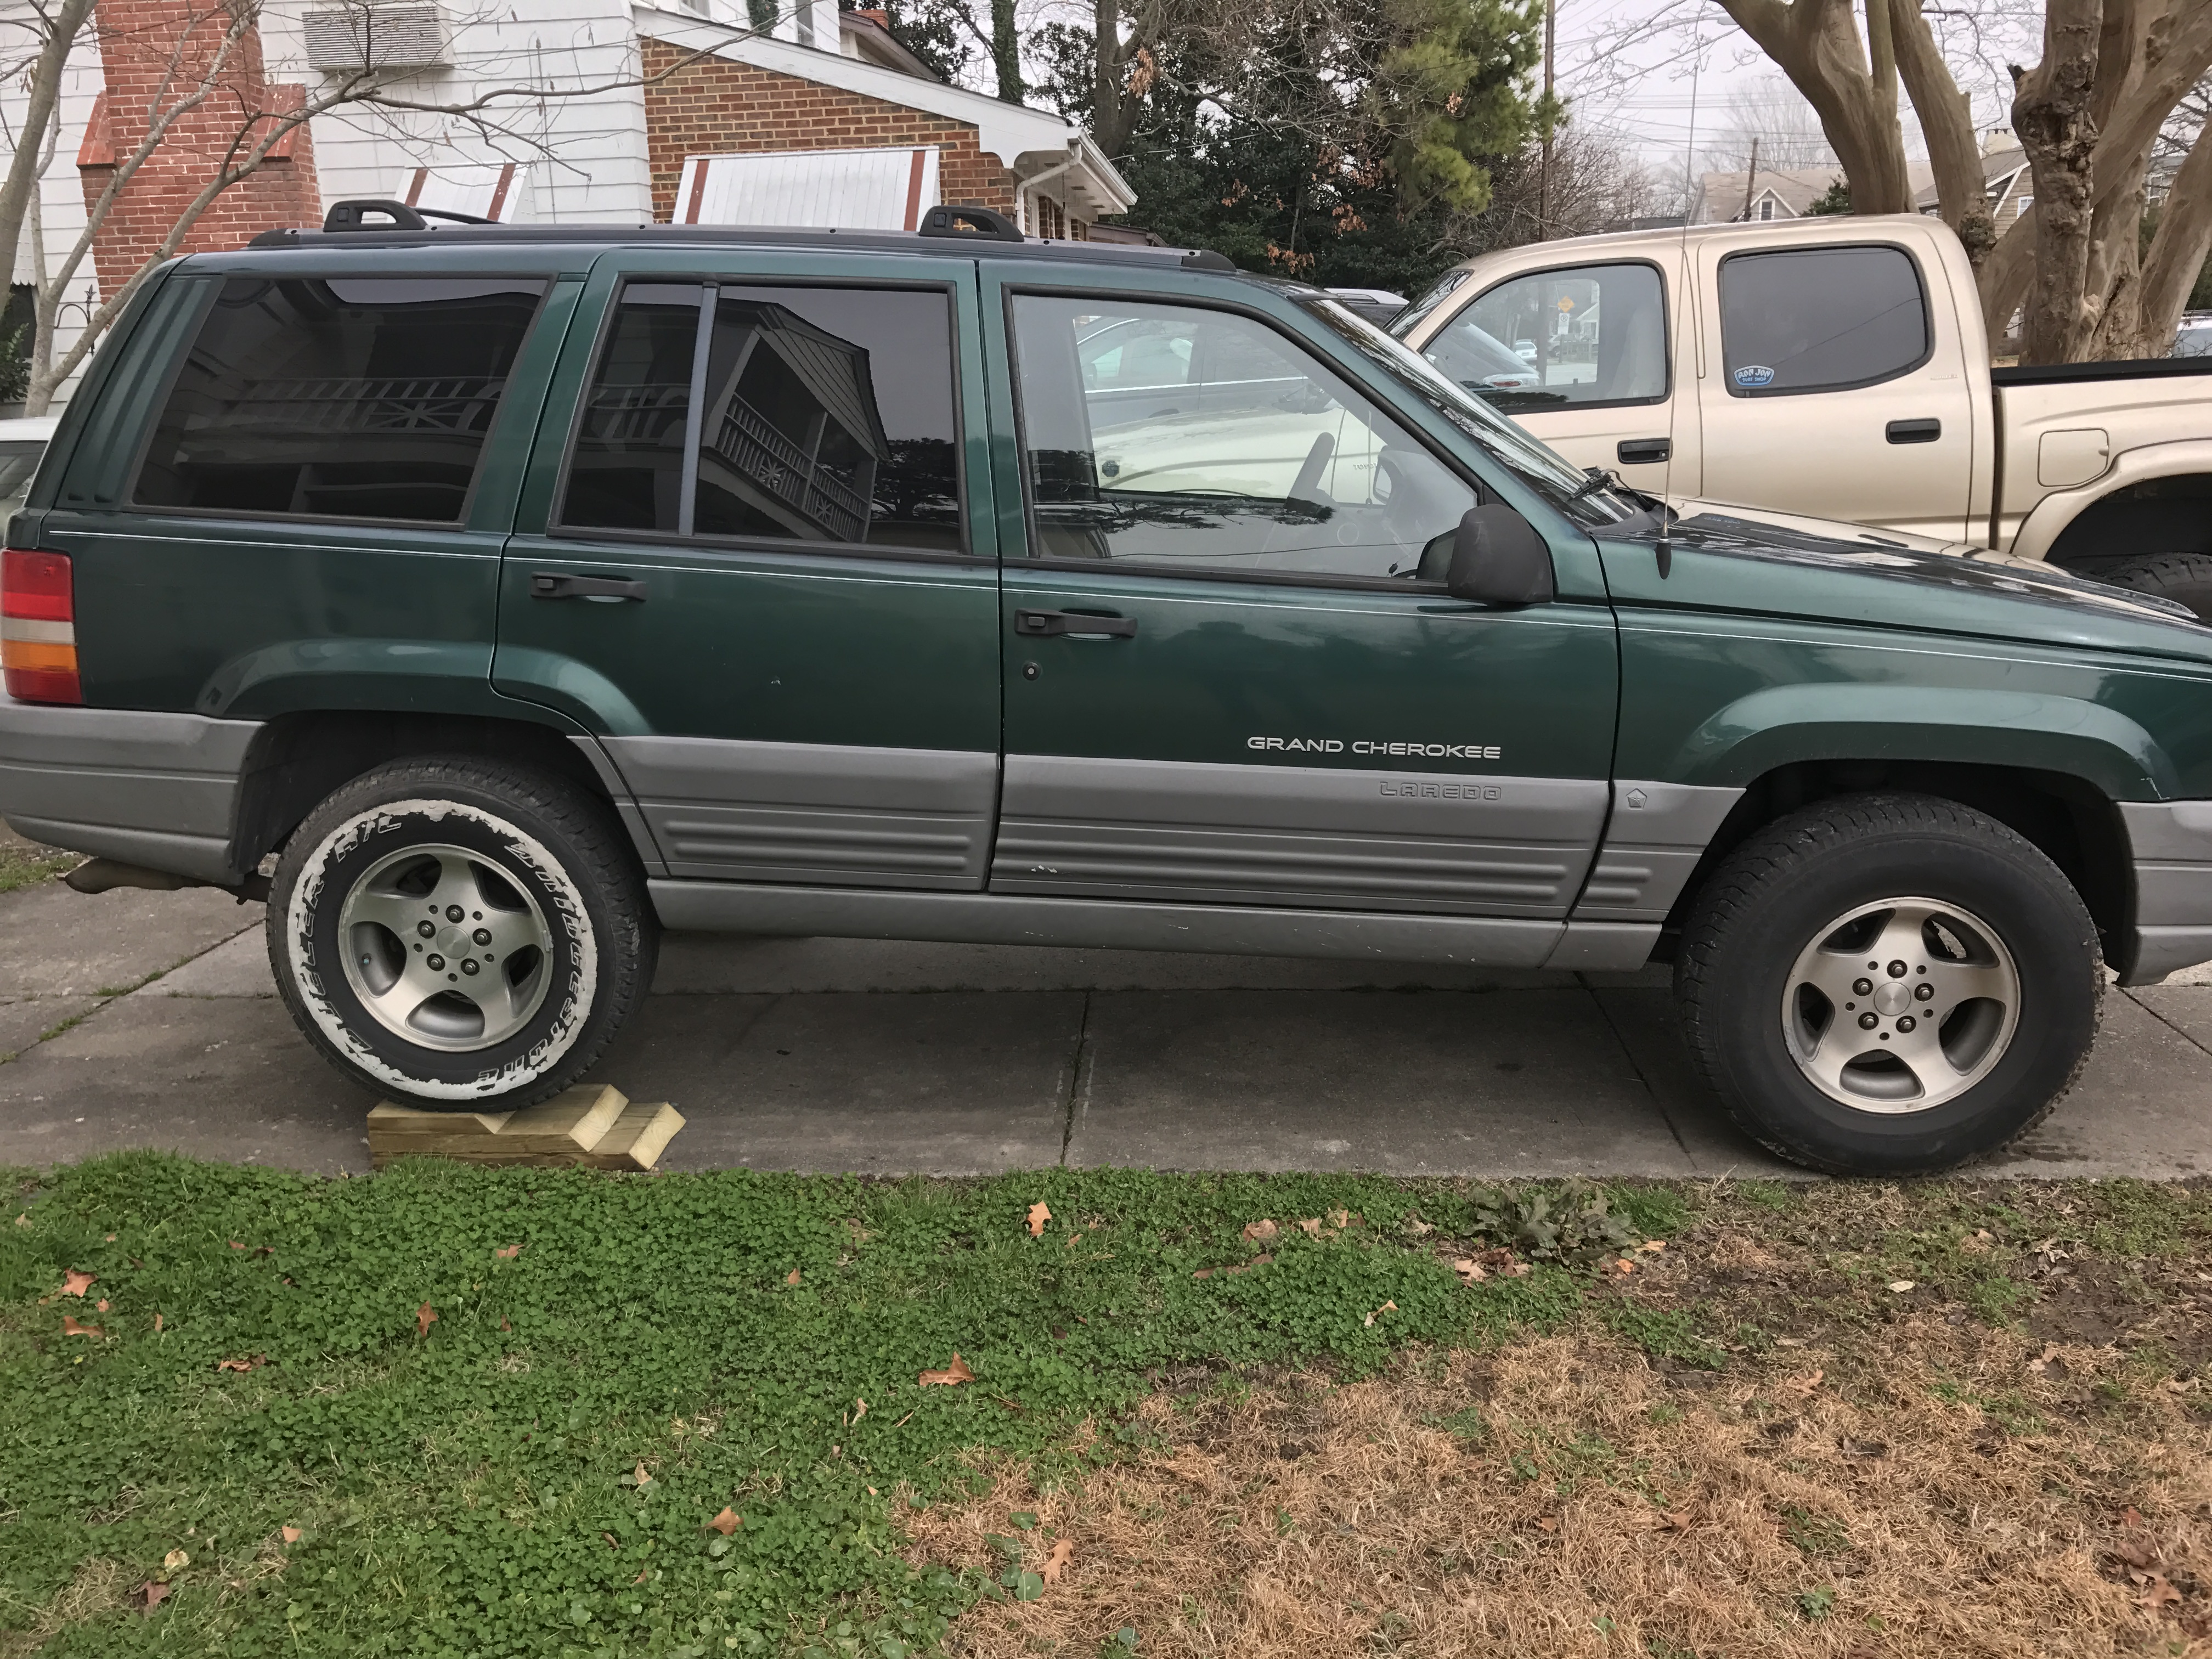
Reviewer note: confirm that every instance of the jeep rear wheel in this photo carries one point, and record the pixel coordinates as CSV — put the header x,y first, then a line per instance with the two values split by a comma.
x,y
1888,984
460,933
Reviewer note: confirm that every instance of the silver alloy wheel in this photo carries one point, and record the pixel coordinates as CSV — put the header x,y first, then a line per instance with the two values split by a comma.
x,y
1901,1005
443,949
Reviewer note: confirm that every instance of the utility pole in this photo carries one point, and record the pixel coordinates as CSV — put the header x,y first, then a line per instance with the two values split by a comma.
x,y
1543,172
1751,178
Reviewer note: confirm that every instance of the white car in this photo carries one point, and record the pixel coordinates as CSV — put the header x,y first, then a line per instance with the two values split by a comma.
x,y
22,443
2195,338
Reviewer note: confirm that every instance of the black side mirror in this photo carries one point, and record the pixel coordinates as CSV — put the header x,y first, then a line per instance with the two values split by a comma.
x,y
1497,558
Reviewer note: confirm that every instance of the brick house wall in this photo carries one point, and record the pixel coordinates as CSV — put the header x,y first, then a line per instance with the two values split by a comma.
x,y
717,107
176,41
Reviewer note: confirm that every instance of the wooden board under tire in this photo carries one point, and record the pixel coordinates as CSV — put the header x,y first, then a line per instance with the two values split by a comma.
x,y
593,1125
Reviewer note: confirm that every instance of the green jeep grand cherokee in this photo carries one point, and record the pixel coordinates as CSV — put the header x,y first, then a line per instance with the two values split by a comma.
x,y
491,599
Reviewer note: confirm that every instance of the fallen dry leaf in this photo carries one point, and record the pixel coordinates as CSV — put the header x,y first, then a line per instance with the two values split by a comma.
x,y
956,1372
157,1322
1621,1265
175,1560
151,1593
1468,1269
859,1409
1802,1387
1062,1552
1547,1523
1203,1273
727,1521
509,1253
1418,1227
1038,1216
425,1316
1261,1232
292,1535
1674,1520
1899,1286
2042,1362
1246,1266
1311,1225
1655,1244
792,1278
75,1283
2159,1593
70,1327
101,1306
1388,1307
639,1478
1515,1270
245,1365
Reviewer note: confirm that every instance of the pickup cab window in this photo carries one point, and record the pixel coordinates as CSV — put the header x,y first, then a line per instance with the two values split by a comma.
x,y
1585,335
356,397
1820,319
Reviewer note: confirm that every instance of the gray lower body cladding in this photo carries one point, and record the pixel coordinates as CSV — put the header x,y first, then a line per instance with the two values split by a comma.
x,y
1304,837
143,787
2172,845
1109,924
729,810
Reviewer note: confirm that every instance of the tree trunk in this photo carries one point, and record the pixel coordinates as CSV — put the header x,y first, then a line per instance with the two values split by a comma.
x,y
2051,116
2177,252
1109,123
44,86
1816,44
1006,50
1946,120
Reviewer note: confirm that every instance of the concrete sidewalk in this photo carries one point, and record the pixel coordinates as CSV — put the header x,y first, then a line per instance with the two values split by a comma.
x,y
160,1028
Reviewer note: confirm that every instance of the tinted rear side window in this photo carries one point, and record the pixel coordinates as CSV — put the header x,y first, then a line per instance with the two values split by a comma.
x,y
1819,320
826,415
358,397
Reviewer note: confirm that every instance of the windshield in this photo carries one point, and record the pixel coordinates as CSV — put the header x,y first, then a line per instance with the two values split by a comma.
x,y
1593,499
1438,292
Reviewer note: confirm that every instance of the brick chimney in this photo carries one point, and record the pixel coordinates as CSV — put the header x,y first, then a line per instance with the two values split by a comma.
x,y
155,53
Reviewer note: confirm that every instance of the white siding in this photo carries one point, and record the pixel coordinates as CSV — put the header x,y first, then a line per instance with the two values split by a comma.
x,y
827,189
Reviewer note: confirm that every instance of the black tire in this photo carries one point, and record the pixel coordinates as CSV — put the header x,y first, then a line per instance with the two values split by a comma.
x,y
575,886
2184,578
1777,895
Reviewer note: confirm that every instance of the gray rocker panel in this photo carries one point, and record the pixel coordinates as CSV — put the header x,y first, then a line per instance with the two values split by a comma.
x,y
2171,842
730,809
150,789
1108,924
1654,838
1305,836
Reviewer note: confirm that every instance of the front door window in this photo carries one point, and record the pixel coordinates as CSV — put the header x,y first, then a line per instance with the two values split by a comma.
x,y
1584,336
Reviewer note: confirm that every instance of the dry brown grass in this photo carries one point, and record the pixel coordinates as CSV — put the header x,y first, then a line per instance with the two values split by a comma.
x,y
1597,1506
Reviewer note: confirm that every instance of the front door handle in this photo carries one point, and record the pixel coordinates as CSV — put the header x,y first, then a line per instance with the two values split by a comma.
x,y
1913,432
545,585
1042,624
1643,451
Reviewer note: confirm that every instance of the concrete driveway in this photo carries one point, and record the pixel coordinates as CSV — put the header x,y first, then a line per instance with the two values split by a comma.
x,y
149,1019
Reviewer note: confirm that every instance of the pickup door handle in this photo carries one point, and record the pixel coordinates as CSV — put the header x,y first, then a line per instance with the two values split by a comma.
x,y
1040,624
544,585
1643,451
1913,432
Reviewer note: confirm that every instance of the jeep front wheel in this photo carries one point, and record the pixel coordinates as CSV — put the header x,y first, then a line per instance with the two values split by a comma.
x,y
460,933
1888,984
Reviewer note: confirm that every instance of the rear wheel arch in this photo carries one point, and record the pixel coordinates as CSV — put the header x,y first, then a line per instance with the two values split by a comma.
x,y
2068,818
297,759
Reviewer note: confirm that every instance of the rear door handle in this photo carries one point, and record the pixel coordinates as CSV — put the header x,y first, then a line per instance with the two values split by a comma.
x,y
545,585
1913,432
1042,624
1643,451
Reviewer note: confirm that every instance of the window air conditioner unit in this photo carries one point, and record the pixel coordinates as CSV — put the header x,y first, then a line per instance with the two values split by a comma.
x,y
376,35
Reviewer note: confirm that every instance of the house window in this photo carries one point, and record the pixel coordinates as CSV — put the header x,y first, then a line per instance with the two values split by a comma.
x,y
1766,207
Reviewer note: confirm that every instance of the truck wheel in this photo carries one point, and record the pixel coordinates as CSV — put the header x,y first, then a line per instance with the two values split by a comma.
x,y
460,933
1888,984
2184,578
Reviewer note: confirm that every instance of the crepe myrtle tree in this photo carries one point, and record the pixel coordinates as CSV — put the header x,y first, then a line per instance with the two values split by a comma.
x,y
2107,103
208,103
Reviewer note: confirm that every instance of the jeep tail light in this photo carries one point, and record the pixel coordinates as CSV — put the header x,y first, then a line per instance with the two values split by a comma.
x,y
38,627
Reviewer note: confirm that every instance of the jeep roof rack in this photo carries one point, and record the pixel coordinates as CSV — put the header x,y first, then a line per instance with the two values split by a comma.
x,y
349,221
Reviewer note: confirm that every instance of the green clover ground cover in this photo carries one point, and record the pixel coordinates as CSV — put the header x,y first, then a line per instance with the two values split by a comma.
x,y
472,1485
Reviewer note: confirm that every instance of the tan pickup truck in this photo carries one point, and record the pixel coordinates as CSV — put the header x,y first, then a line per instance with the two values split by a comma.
x,y
1836,368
